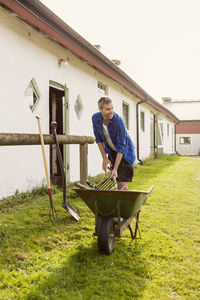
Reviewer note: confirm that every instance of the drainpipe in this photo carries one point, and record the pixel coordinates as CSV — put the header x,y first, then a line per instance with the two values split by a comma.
x,y
137,129
154,133
175,138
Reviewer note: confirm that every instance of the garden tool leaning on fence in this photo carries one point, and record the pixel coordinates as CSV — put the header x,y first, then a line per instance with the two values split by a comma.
x,y
65,205
52,212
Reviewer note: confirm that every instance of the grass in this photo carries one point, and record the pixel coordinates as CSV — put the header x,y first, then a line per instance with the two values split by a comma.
x,y
41,260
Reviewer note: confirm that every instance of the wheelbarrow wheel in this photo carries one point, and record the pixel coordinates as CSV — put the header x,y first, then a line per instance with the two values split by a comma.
x,y
106,234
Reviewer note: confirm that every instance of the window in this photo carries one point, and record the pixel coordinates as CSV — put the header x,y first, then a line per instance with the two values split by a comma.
x,y
167,129
103,89
78,106
125,114
33,94
185,140
142,120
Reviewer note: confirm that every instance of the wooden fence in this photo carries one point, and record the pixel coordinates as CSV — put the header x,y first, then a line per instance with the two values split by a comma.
x,y
23,139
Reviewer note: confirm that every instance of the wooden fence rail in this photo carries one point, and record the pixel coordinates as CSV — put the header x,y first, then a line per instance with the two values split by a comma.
x,y
17,139
23,139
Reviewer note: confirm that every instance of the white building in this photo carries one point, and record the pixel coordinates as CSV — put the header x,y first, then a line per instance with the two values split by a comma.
x,y
188,128
47,69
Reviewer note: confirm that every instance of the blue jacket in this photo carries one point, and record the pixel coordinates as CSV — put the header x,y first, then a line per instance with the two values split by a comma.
x,y
118,134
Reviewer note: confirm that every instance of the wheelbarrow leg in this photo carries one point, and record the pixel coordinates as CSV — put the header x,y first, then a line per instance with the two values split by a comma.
x,y
137,226
96,225
131,231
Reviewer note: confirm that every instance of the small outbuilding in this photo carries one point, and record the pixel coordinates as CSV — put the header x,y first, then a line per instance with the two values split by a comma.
x,y
188,128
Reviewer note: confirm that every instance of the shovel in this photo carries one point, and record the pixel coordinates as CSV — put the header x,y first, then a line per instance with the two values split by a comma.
x,y
65,205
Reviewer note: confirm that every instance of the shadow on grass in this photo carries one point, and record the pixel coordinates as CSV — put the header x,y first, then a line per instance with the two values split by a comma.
x,y
28,227
86,274
90,275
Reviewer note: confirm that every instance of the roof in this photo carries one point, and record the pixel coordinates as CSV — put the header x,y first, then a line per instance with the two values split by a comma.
x,y
188,127
39,16
168,100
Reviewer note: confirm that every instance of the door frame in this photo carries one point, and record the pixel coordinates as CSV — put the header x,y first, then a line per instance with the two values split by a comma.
x,y
65,103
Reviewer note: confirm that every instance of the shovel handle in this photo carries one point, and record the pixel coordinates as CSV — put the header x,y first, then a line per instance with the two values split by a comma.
x,y
43,154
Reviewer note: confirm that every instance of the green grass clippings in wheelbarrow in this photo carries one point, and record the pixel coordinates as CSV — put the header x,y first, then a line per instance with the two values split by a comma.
x,y
114,211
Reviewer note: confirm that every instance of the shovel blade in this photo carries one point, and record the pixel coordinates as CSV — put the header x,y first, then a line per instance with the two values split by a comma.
x,y
71,211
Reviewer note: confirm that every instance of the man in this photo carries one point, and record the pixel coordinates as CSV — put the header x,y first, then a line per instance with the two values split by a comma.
x,y
113,140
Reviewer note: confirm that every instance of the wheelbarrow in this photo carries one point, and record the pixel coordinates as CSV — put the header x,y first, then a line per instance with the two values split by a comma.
x,y
114,210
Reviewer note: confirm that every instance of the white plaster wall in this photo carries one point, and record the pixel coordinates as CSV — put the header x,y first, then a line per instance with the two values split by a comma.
x,y
144,140
191,149
144,136
27,54
37,56
168,140
21,167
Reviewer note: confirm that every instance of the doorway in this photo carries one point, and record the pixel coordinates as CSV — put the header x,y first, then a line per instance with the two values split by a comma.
x,y
56,99
152,133
160,136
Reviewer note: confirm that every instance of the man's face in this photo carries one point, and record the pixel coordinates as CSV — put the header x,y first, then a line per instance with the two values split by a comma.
x,y
107,111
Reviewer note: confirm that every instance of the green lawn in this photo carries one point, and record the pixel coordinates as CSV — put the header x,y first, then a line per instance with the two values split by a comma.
x,y
41,260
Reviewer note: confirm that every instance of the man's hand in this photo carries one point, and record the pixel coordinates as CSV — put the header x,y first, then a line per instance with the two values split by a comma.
x,y
105,164
113,174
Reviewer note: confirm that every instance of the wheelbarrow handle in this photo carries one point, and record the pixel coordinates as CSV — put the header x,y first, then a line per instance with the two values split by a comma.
x,y
150,190
148,194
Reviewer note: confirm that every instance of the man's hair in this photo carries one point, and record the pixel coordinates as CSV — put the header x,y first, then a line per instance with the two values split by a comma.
x,y
104,100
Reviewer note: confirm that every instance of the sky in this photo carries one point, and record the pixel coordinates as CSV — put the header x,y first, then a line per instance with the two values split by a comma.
x,y
157,41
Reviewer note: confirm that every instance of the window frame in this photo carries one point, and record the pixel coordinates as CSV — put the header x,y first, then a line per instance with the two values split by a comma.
x,y
33,85
185,137
126,121
142,120
78,104
167,129
102,89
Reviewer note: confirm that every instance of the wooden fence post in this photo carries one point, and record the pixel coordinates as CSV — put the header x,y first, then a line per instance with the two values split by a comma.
x,y
83,163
